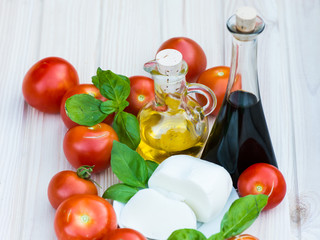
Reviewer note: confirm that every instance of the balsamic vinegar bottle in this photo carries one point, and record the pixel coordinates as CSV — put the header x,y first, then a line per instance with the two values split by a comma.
x,y
240,137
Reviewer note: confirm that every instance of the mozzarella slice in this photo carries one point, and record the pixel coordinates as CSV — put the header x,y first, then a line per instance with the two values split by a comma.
x,y
155,215
204,186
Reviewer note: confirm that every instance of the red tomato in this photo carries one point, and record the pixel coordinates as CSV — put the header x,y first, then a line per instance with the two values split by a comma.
x,y
243,237
125,234
47,81
84,217
79,89
89,146
263,178
142,92
216,79
68,183
192,53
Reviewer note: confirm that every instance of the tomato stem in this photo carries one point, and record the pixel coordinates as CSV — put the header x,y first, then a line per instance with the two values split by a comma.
x,y
85,218
141,98
259,188
85,173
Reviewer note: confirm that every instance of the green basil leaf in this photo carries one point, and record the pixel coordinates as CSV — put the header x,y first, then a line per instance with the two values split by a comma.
x,y
109,107
151,166
84,109
217,236
242,214
126,126
95,81
111,86
123,105
120,192
124,78
187,234
128,165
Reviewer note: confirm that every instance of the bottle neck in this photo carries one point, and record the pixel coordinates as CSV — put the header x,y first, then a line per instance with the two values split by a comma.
x,y
163,87
243,71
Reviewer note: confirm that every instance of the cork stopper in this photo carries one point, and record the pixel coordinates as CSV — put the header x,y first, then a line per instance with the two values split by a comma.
x,y
246,19
169,62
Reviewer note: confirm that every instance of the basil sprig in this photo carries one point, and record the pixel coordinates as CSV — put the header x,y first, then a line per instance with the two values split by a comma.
x,y
131,169
241,214
86,110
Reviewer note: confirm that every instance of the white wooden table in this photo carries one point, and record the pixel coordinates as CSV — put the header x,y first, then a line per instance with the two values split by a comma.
x,y
121,35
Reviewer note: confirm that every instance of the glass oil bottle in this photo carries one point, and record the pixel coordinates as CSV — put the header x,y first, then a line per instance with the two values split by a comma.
x,y
240,137
174,123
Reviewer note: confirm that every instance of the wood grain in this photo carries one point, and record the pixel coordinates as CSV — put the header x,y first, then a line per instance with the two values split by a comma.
x,y
122,35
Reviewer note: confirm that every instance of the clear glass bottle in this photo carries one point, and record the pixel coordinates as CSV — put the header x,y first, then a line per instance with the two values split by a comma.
x,y
174,123
240,137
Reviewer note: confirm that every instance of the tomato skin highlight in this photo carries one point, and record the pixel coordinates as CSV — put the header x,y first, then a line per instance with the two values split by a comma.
x,y
89,146
66,184
216,79
80,89
243,237
84,217
192,53
142,92
125,234
47,81
263,178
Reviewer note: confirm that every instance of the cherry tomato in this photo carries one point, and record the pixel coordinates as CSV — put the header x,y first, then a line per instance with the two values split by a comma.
x,y
142,92
84,217
263,178
125,234
89,146
47,81
216,79
68,183
79,89
192,53
243,237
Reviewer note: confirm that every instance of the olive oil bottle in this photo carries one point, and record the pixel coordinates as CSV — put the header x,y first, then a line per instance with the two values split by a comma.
x,y
174,123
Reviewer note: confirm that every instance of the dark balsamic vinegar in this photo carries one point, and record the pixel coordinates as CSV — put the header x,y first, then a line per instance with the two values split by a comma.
x,y
240,136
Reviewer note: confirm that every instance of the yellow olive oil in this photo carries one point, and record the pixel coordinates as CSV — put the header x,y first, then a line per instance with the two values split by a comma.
x,y
174,130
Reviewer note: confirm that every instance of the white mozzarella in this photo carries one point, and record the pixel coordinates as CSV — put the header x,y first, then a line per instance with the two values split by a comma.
x,y
204,186
155,215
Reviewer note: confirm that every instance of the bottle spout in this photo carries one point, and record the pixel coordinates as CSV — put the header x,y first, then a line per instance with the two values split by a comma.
x,y
150,67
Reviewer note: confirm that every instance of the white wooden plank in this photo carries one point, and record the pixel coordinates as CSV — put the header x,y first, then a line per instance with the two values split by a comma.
x,y
301,39
18,46
130,35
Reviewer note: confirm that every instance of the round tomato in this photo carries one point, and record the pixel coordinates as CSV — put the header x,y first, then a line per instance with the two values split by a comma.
x,y
47,81
142,92
192,53
243,237
80,89
89,146
68,183
216,79
263,178
84,217
125,234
